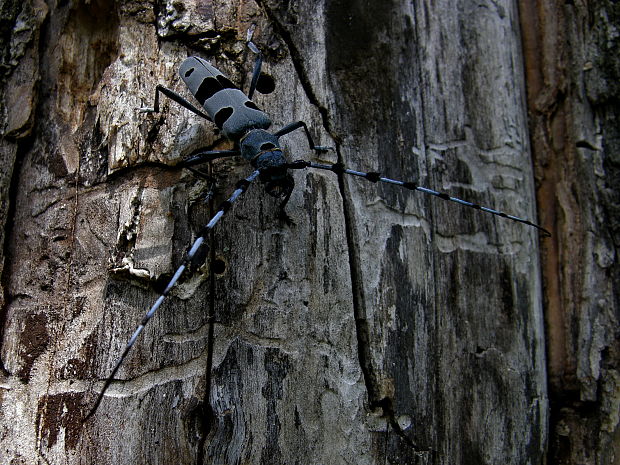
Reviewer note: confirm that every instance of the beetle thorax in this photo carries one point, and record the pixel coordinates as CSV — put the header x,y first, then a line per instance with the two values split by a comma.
x,y
262,149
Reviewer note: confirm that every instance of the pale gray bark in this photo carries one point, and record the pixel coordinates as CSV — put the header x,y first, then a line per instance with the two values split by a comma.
x,y
380,326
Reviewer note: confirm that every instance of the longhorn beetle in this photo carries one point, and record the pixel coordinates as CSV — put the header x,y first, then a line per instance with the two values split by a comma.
x,y
246,125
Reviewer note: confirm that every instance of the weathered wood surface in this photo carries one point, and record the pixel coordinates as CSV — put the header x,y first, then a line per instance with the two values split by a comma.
x,y
380,327
573,75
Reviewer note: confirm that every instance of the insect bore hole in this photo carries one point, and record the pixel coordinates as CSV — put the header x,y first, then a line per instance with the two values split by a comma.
x,y
219,266
161,282
266,84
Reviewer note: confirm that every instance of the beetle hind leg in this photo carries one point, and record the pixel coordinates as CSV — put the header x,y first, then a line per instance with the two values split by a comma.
x,y
172,95
200,156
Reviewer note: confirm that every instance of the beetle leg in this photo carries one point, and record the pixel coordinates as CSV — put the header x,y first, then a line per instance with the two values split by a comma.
x,y
202,156
200,174
257,63
224,207
172,95
300,124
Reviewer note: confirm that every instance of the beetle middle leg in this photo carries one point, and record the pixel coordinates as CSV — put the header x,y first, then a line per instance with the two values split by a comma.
x,y
203,156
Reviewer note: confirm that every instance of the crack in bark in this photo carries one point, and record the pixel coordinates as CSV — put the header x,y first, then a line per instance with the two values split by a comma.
x,y
373,387
361,324
297,60
5,297
57,332
205,410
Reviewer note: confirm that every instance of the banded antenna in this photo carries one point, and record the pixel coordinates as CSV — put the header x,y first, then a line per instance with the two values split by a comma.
x,y
242,186
375,177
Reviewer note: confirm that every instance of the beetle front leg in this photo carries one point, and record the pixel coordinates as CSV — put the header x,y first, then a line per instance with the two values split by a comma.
x,y
172,95
257,64
300,124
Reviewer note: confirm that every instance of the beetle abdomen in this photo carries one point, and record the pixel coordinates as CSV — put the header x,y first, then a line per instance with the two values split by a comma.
x,y
229,108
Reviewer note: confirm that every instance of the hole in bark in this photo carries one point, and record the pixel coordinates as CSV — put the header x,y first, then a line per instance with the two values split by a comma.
x,y
200,421
161,282
219,266
266,84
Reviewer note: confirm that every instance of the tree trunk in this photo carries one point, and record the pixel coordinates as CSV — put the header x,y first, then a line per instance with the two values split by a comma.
x,y
573,75
377,326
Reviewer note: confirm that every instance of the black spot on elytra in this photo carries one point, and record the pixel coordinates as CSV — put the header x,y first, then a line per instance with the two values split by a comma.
x,y
222,115
208,87
225,82
251,105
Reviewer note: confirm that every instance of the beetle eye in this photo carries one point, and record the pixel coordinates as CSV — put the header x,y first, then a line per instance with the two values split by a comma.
x,y
267,146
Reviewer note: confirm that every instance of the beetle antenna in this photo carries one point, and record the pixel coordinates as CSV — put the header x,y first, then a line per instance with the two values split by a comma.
x,y
242,186
257,64
374,177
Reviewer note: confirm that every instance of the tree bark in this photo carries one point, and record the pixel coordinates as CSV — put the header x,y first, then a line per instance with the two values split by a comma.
x,y
378,326
573,71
